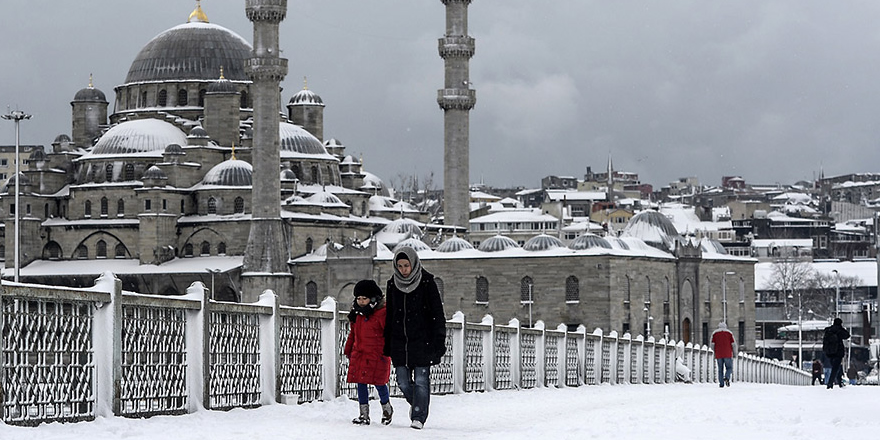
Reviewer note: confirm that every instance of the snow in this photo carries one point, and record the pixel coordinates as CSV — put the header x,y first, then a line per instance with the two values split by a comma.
x,y
605,412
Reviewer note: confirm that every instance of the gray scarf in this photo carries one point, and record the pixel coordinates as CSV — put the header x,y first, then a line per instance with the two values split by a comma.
x,y
408,284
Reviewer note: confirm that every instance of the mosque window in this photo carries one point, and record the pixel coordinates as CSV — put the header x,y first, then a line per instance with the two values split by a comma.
x,y
108,172
143,99
163,98
148,205
188,250
572,290
2,251
52,251
182,206
647,291
46,210
440,287
309,245
120,251
244,100
181,97
627,293
202,98
221,248
104,208
239,205
101,249
330,175
88,209
364,210
526,290
120,208
212,205
742,291
315,175
129,171
297,171
205,249
482,292
82,252
164,204
311,294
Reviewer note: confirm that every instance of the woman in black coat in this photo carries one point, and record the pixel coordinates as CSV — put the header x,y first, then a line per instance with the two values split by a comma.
x,y
415,330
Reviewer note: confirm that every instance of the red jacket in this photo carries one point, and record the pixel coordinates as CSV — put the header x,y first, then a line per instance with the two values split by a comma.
x,y
364,350
723,341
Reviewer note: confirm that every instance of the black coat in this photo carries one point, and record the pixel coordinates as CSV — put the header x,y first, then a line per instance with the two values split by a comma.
x,y
415,324
838,350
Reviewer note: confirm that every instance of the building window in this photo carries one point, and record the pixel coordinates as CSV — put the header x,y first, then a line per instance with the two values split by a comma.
x,y
309,245
311,294
143,99
129,171
163,98
315,175
244,100
148,205
202,98
101,249
482,292
188,250
205,249
742,291
221,248
104,208
212,205
181,97
108,172
705,333
53,251
526,290
239,205
120,208
627,294
572,290
120,251
88,208
182,206
741,332
164,204
82,252
647,291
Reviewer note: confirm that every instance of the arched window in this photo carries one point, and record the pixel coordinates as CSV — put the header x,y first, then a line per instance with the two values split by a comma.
x,y
212,205
526,290
239,205
120,251
244,99
188,250
202,98
46,210
297,171
143,99
120,208
101,249
52,251
163,98
108,172
647,290
205,249
316,175
104,208
482,292
88,208
572,290
742,291
440,288
82,252
309,245
181,97
628,293
129,171
221,248
311,294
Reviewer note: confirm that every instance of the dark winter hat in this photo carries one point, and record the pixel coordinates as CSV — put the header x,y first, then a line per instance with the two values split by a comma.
x,y
367,288
838,321
401,256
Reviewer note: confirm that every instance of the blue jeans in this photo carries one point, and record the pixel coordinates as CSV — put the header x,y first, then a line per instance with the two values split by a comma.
x,y
725,367
827,373
415,384
836,372
364,393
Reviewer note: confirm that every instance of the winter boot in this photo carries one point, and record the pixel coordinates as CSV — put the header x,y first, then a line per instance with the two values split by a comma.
x,y
364,418
387,411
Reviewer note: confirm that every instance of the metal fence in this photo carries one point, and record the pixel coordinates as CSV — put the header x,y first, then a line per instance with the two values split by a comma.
x,y
74,354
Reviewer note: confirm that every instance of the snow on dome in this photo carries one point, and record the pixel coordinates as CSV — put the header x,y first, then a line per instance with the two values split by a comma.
x,y
139,136
288,174
230,172
10,183
712,247
89,94
198,132
588,241
174,149
325,198
154,173
653,228
348,160
617,243
497,243
403,226
297,140
306,97
542,243
415,243
454,244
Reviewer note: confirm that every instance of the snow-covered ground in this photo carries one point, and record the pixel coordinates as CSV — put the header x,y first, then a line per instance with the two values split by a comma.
x,y
606,412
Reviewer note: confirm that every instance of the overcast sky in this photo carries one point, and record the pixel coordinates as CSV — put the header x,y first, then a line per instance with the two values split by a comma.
x,y
773,91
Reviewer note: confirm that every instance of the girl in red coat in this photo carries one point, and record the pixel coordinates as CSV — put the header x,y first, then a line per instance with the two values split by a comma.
x,y
367,365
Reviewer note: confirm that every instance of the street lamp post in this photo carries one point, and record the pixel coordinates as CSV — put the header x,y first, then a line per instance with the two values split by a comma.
x,y
16,116
837,293
212,272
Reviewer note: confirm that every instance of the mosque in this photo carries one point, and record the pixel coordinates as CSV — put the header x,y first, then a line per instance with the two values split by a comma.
x,y
194,177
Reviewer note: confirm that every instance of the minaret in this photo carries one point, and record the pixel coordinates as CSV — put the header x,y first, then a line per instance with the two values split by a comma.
x,y
456,98
266,255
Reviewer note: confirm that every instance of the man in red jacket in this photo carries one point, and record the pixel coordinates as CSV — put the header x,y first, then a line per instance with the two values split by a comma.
x,y
724,346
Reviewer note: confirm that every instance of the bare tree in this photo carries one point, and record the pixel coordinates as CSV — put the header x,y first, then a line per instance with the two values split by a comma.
x,y
790,277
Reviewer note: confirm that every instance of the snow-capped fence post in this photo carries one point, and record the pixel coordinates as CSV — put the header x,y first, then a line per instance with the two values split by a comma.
x,y
459,351
610,359
515,354
580,355
627,360
107,322
639,361
198,365
561,355
329,349
270,349
649,356
489,353
540,355
662,359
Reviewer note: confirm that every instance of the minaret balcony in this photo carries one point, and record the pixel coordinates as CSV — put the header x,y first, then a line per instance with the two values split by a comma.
x,y
456,46
271,68
457,99
272,11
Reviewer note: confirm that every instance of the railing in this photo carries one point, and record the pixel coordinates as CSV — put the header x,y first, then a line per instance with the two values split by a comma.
x,y
75,354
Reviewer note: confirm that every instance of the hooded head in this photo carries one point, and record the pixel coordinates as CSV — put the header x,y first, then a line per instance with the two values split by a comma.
x,y
838,321
409,282
368,289
722,325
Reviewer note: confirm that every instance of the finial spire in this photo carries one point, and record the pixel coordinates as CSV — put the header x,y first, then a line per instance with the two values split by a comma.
x,y
221,73
90,82
305,83
233,152
198,13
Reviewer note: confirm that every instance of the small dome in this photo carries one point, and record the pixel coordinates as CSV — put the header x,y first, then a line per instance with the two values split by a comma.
x,y
324,198
588,241
497,243
415,243
230,172
542,243
306,97
288,174
154,173
333,143
296,139
10,183
712,247
348,160
654,229
139,136
198,132
403,226
174,149
617,243
61,138
454,244
38,155
222,85
89,94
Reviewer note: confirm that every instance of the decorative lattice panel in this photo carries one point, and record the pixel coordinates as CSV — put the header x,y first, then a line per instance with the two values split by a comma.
x,y
528,363
590,359
48,371
301,361
345,389
621,364
634,376
442,381
646,364
606,361
153,361
234,348
551,360
658,362
503,377
572,362
474,360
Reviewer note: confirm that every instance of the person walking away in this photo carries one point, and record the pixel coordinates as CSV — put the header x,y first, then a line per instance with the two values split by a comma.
x,y
415,331
724,346
832,346
817,371
366,341
826,368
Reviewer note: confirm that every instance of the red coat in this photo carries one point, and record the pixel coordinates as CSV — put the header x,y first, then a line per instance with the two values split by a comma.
x,y
364,350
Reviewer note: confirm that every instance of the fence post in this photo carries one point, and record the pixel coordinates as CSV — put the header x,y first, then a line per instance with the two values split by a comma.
x,y
581,354
329,361
597,356
540,355
198,367
489,354
270,352
626,340
515,355
562,356
107,343
459,352
652,348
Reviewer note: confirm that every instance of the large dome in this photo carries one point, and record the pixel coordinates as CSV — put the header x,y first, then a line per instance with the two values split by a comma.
x,y
296,140
192,51
139,136
230,172
654,229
